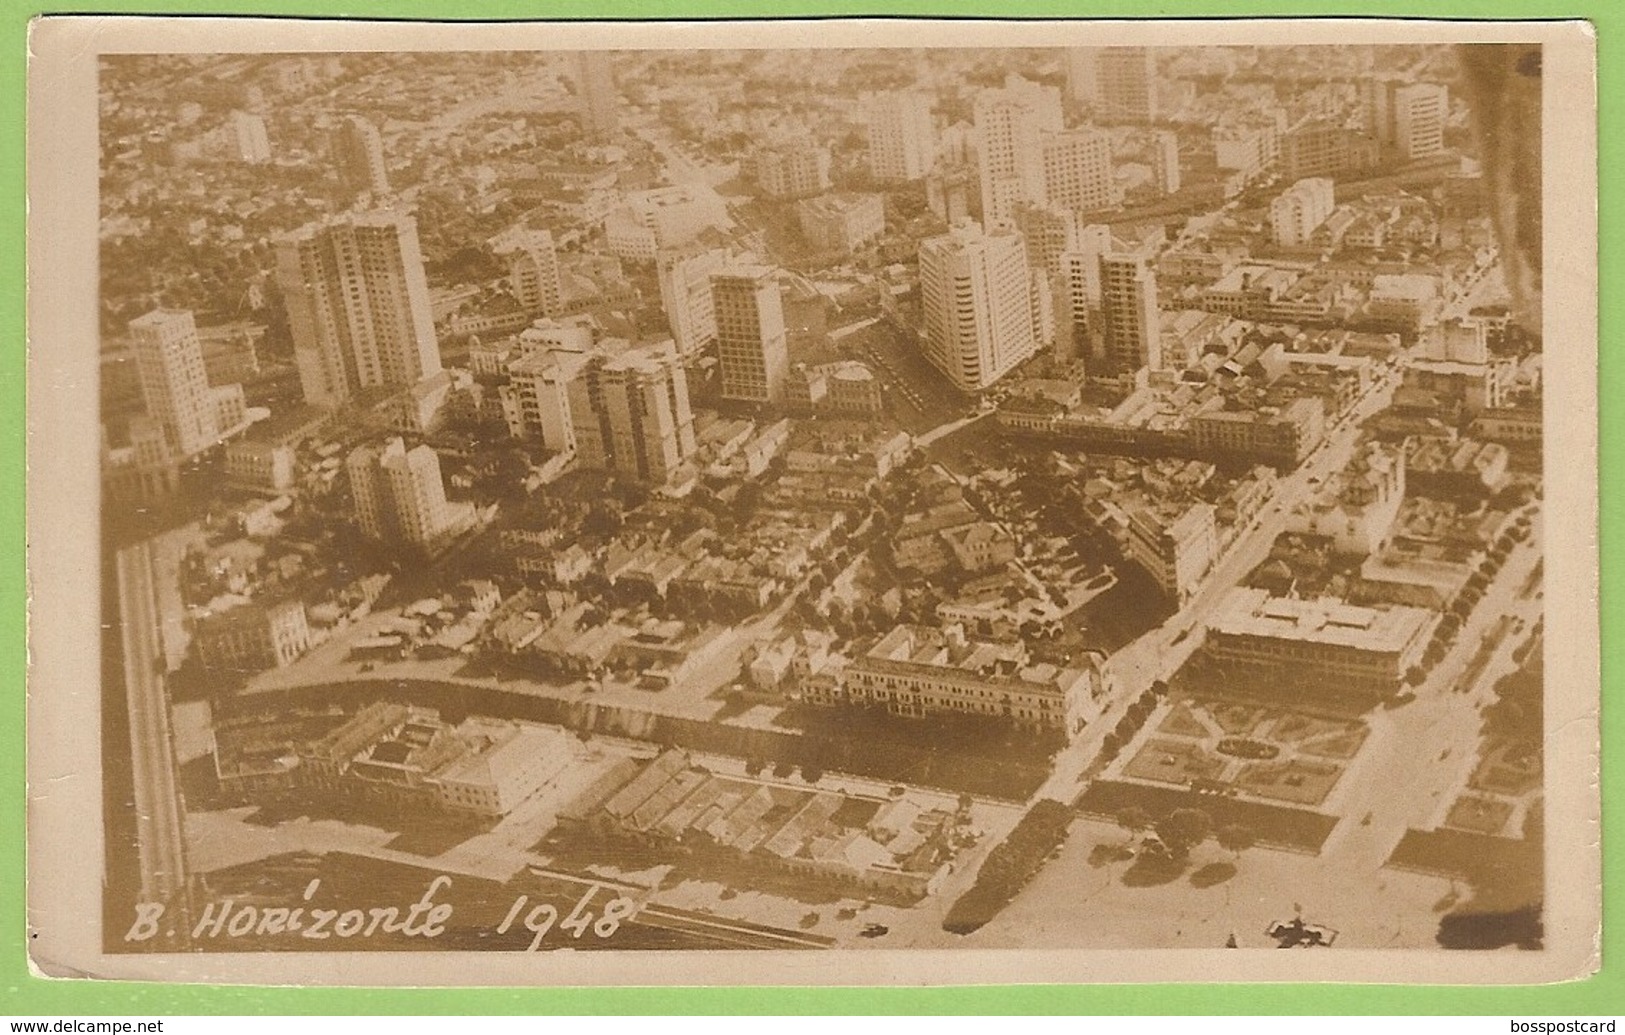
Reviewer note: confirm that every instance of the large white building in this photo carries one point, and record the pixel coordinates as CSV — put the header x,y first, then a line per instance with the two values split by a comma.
x,y
1131,323
191,414
1175,544
1078,303
917,672
358,305
1165,160
400,497
1324,644
536,399
977,300
685,295
1297,211
1083,75
752,344
629,410
792,169
533,272
665,217
1419,113
901,135
596,94
1077,170
359,154
1010,124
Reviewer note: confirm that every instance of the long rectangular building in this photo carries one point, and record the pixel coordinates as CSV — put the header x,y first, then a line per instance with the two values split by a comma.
x,y
916,671
1324,643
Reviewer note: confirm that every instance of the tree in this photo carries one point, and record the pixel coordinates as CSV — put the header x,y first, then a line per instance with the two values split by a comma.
x,y
1235,838
1135,820
1184,829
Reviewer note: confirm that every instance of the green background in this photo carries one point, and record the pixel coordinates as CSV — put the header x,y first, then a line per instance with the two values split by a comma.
x,y
23,994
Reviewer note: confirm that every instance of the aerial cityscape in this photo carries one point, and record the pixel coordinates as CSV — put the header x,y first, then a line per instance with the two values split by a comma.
x,y
1076,498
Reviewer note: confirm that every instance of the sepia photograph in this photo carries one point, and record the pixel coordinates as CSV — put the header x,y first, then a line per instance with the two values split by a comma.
x,y
914,503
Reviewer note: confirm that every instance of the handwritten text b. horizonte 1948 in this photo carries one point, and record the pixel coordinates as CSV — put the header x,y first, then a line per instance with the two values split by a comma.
x,y
424,918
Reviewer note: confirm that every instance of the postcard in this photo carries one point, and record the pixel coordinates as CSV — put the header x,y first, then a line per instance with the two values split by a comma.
x,y
841,502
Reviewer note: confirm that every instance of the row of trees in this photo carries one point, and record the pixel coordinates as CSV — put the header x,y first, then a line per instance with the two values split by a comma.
x,y
1182,830
1009,866
1471,595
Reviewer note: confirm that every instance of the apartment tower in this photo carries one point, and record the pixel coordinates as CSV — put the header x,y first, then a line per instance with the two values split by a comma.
x,y
358,305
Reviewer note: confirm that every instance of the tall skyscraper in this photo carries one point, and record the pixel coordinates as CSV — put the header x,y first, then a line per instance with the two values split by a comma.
x,y
1407,118
630,412
1132,322
1419,112
595,90
752,346
1078,331
533,272
358,305
358,152
400,497
1077,170
1165,160
901,135
977,301
1010,124
685,295
1127,88
536,399
174,385
1083,75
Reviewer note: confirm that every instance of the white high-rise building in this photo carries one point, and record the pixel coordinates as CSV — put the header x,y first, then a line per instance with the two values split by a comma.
x,y
400,497
901,135
752,345
1298,210
685,295
1132,324
1077,170
1083,75
1165,160
977,298
1127,87
358,305
1078,330
536,399
1419,112
1010,125
174,383
630,413
358,151
533,272
792,169
596,94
